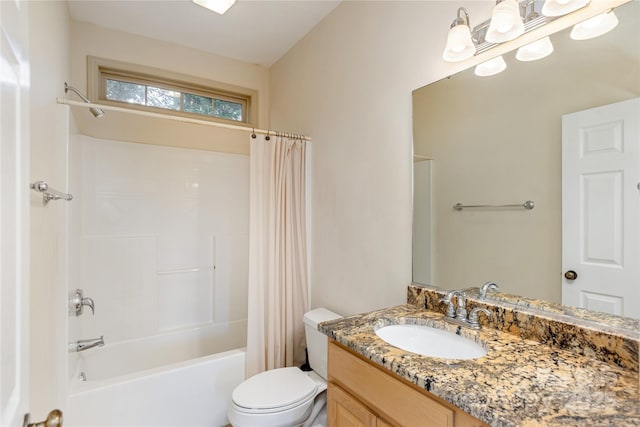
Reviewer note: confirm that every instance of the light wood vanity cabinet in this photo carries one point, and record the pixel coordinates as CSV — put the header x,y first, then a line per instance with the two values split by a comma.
x,y
361,394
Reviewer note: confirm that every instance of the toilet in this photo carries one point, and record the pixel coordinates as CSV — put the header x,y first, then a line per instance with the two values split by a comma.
x,y
286,396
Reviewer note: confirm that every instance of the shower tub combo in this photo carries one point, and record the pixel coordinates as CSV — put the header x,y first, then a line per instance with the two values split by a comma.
x,y
177,379
159,241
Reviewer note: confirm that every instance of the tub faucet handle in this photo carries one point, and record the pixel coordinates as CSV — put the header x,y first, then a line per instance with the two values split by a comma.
x,y
89,303
77,302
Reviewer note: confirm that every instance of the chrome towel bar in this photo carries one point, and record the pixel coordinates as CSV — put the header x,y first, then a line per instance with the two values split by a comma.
x,y
49,193
527,205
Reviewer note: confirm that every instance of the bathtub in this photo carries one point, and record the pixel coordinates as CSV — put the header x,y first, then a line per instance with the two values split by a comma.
x,y
178,379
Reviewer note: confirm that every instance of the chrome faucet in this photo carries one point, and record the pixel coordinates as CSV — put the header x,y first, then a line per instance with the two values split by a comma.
x,y
451,309
82,345
461,299
486,287
459,315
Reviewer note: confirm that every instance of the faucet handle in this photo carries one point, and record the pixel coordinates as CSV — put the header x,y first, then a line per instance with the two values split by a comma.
x,y
451,310
474,320
461,311
89,303
77,301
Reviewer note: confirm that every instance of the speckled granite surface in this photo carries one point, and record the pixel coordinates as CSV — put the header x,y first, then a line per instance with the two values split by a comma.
x,y
610,339
519,382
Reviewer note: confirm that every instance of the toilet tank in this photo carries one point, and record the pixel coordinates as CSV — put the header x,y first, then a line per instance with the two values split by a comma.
x,y
316,340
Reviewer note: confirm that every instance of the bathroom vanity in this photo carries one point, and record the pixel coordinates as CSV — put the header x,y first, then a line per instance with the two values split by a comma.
x,y
362,394
524,379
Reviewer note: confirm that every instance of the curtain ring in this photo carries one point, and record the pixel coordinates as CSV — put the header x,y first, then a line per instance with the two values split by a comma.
x,y
267,138
253,133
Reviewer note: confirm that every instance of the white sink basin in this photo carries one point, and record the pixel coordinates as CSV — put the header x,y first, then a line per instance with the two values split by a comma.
x,y
428,341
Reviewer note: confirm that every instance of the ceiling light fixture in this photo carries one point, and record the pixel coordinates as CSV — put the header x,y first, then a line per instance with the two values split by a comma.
x,y
562,7
594,27
218,6
506,22
459,46
491,67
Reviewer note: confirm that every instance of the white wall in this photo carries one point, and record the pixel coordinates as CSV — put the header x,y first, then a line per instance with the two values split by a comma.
x,y
49,50
51,32
348,84
160,238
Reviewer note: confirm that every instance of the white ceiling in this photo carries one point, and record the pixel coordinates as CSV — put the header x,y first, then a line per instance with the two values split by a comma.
x,y
254,31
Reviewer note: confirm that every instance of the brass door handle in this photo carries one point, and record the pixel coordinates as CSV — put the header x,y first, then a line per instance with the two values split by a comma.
x,y
54,419
570,275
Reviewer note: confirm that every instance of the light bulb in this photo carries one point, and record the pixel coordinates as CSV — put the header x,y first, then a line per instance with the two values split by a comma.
x,y
562,7
491,67
595,26
536,50
506,22
459,44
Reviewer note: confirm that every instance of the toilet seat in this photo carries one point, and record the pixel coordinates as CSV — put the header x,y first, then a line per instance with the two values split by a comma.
x,y
274,391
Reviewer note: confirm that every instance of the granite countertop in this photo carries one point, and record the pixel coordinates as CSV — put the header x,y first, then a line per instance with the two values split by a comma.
x,y
518,383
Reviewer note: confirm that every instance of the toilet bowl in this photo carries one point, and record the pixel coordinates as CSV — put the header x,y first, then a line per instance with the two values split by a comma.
x,y
286,396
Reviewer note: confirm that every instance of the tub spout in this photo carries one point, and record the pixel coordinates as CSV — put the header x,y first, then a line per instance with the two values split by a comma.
x,y
82,345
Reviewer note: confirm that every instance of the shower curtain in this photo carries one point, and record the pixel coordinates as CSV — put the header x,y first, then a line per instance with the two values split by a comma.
x,y
277,289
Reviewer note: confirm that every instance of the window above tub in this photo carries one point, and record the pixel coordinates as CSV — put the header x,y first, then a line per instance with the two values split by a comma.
x,y
144,88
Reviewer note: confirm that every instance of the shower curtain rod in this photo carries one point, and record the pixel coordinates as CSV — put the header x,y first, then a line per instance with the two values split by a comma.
x,y
176,118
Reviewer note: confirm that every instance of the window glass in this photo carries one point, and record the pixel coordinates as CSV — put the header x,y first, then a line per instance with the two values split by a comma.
x,y
198,104
126,92
228,110
141,91
163,98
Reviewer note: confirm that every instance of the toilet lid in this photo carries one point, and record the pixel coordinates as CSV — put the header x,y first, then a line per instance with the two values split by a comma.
x,y
276,388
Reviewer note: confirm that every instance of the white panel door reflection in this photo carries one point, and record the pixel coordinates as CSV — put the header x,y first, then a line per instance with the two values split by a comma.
x,y
601,175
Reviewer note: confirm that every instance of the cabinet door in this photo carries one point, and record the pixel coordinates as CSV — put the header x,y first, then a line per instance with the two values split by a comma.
x,y
345,411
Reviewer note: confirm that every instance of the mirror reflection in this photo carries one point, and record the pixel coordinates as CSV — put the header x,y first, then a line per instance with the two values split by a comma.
x,y
499,140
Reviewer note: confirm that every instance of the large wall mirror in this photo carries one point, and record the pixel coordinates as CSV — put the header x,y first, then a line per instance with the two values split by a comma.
x,y
498,140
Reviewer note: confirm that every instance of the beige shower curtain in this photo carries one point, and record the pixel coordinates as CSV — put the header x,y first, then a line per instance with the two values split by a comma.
x,y
277,254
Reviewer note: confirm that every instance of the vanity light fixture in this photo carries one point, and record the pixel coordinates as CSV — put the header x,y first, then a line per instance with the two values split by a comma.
x,y
459,46
594,27
536,50
506,22
491,67
464,42
511,19
557,8
218,6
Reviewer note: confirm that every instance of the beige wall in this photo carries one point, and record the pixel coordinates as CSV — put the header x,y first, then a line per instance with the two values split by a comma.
x,y
88,39
348,84
49,50
58,49
498,140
